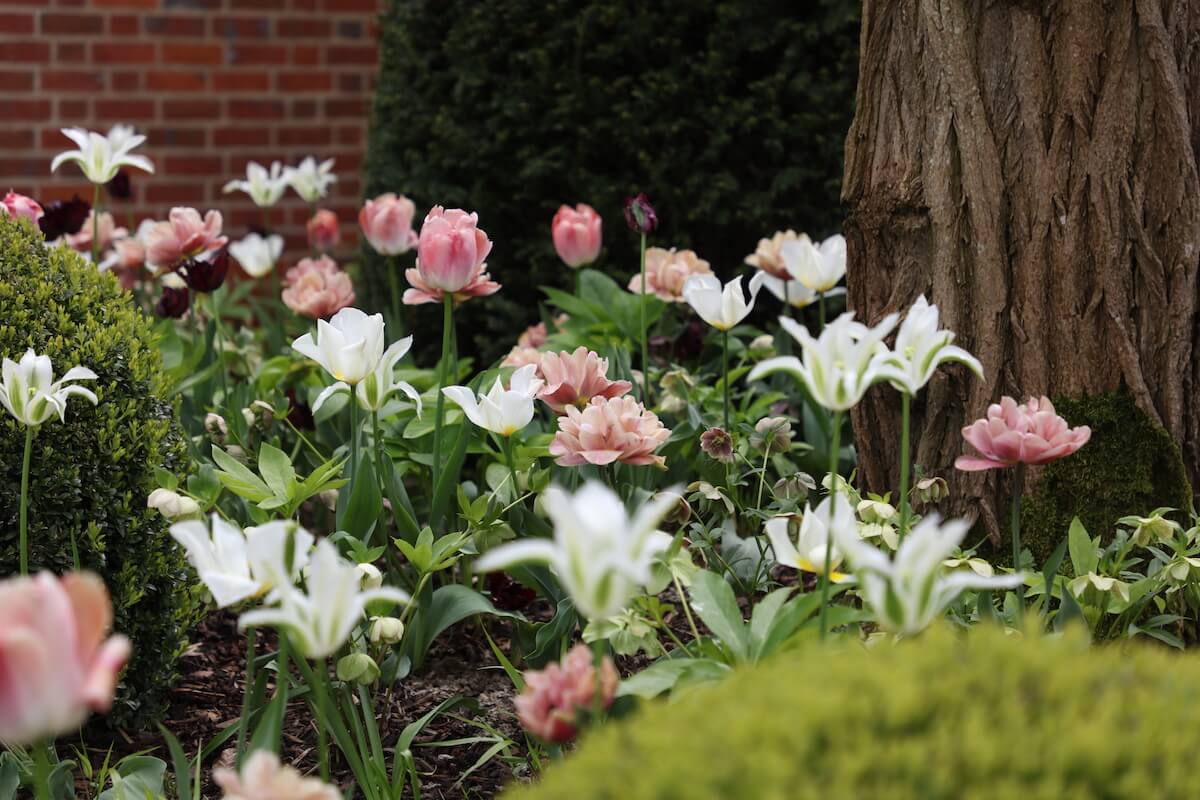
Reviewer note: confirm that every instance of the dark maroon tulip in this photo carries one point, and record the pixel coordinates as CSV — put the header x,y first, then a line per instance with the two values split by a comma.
x,y
206,273
507,594
64,217
173,303
639,214
299,414
119,188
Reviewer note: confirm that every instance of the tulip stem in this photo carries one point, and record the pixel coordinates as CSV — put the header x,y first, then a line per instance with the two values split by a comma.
x,y
24,515
645,347
725,373
354,425
392,264
96,225
42,771
834,445
598,648
820,312
687,608
447,327
1018,486
247,689
787,299
905,446
506,444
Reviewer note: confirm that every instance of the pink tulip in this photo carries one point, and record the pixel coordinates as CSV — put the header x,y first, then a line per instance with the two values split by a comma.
x,y
522,356
620,429
451,250
55,664
556,697
183,236
667,271
81,242
318,288
128,257
387,221
1020,434
21,207
576,234
573,379
768,255
480,285
534,336
264,778
323,233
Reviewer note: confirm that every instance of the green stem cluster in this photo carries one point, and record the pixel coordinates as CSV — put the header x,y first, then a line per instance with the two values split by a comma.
x,y
834,445
725,373
23,544
645,345
905,458
447,328
1018,486
96,224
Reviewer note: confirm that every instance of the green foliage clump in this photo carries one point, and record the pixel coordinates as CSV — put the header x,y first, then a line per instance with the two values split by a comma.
x,y
731,116
1131,465
90,477
986,715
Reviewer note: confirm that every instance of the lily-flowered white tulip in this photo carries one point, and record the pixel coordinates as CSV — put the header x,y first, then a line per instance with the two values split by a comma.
x,y
31,394
921,348
311,180
839,366
349,346
256,254
320,619
100,156
911,591
264,187
795,293
379,385
602,557
819,267
501,411
723,308
808,552
236,565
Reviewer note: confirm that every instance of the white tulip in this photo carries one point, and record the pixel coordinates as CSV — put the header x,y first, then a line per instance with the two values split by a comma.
x,y
379,385
819,267
236,565
172,505
808,553
311,180
723,308
601,556
795,293
265,188
31,394
840,365
321,619
349,346
921,347
100,156
256,254
501,411
278,553
911,591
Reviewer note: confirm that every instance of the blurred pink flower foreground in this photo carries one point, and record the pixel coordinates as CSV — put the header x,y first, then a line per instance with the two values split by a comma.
x,y
667,271
573,379
606,431
184,235
1020,434
387,221
264,778
318,288
21,207
55,664
554,697
577,234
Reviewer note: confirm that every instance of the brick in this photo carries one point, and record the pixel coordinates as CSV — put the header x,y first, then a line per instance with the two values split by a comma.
x,y
23,167
257,54
125,53
310,137
347,54
350,136
16,139
125,3
351,5
312,27
242,27
22,110
191,109
255,109
340,109
70,51
189,193
16,23
241,137
177,137
262,5
193,54
307,56
73,24
350,83
64,81
304,82
16,81
304,109
207,5
175,81
241,82
124,25
175,26
52,192
127,81
125,110
21,52
72,112
350,29
192,165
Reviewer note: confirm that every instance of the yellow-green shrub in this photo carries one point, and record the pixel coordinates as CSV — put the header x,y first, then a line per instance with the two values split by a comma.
x,y
985,716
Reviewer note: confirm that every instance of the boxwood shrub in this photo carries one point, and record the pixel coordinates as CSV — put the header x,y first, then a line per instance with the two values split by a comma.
x,y
90,477
732,116
987,715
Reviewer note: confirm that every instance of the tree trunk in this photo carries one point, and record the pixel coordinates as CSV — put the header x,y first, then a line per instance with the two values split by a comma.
x,y
1032,167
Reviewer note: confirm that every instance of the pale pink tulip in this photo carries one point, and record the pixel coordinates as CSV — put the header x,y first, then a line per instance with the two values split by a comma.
x,y
318,288
768,256
323,232
667,271
521,356
556,697
21,207
534,336
1020,434
183,236
81,242
576,234
620,429
451,250
480,285
387,221
56,666
264,778
573,379
126,260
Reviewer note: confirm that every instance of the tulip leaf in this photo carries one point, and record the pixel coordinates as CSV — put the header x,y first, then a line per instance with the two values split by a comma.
x,y
448,478
1084,556
358,513
714,602
665,674
9,776
448,605
136,778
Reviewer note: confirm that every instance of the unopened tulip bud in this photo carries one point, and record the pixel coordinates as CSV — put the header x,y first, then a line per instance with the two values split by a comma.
x,y
357,668
215,427
385,630
762,346
640,215
372,578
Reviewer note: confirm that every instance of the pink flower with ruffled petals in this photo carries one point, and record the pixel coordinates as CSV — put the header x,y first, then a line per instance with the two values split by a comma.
x,y
264,778
522,356
318,288
323,231
81,242
573,379
620,429
1020,434
667,271
534,336
21,207
451,250
556,697
576,234
126,260
56,666
480,285
387,221
183,236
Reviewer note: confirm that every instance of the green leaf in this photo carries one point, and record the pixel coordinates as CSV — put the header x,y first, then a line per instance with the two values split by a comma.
x,y
238,478
714,602
179,762
1084,556
10,777
1069,613
360,513
763,616
277,470
137,778
448,478
450,604
665,674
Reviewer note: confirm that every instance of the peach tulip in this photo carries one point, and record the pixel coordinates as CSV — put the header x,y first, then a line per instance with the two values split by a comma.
x,y
667,271
768,255
183,236
620,429
263,777
521,356
322,228
387,222
56,666
451,249
21,207
576,234
573,379
318,288
1011,434
534,336
556,697
82,241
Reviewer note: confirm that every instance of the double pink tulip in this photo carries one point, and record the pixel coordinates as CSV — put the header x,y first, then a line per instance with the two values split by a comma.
x,y
556,697
323,232
55,664
576,234
318,288
573,379
81,241
387,222
607,431
183,236
21,207
1020,434
451,254
667,271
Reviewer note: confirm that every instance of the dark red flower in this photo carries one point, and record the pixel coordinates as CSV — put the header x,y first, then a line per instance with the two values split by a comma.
x,y
507,594
640,215
206,273
119,188
173,303
299,414
64,217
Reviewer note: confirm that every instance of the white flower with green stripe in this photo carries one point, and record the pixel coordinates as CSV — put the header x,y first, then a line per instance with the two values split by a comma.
x,y
921,348
30,393
101,156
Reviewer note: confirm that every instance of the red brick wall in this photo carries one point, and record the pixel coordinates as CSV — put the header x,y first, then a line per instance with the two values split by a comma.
x,y
212,83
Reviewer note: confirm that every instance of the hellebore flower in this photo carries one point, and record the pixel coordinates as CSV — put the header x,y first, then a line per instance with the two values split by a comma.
x,y
620,429
101,156
717,444
310,180
387,222
556,697
265,188
722,308
317,288
573,379
501,411
1020,434
257,255
30,393
819,267
576,235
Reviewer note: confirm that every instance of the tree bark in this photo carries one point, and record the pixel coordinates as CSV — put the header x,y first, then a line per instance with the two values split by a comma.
x,y
1032,167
